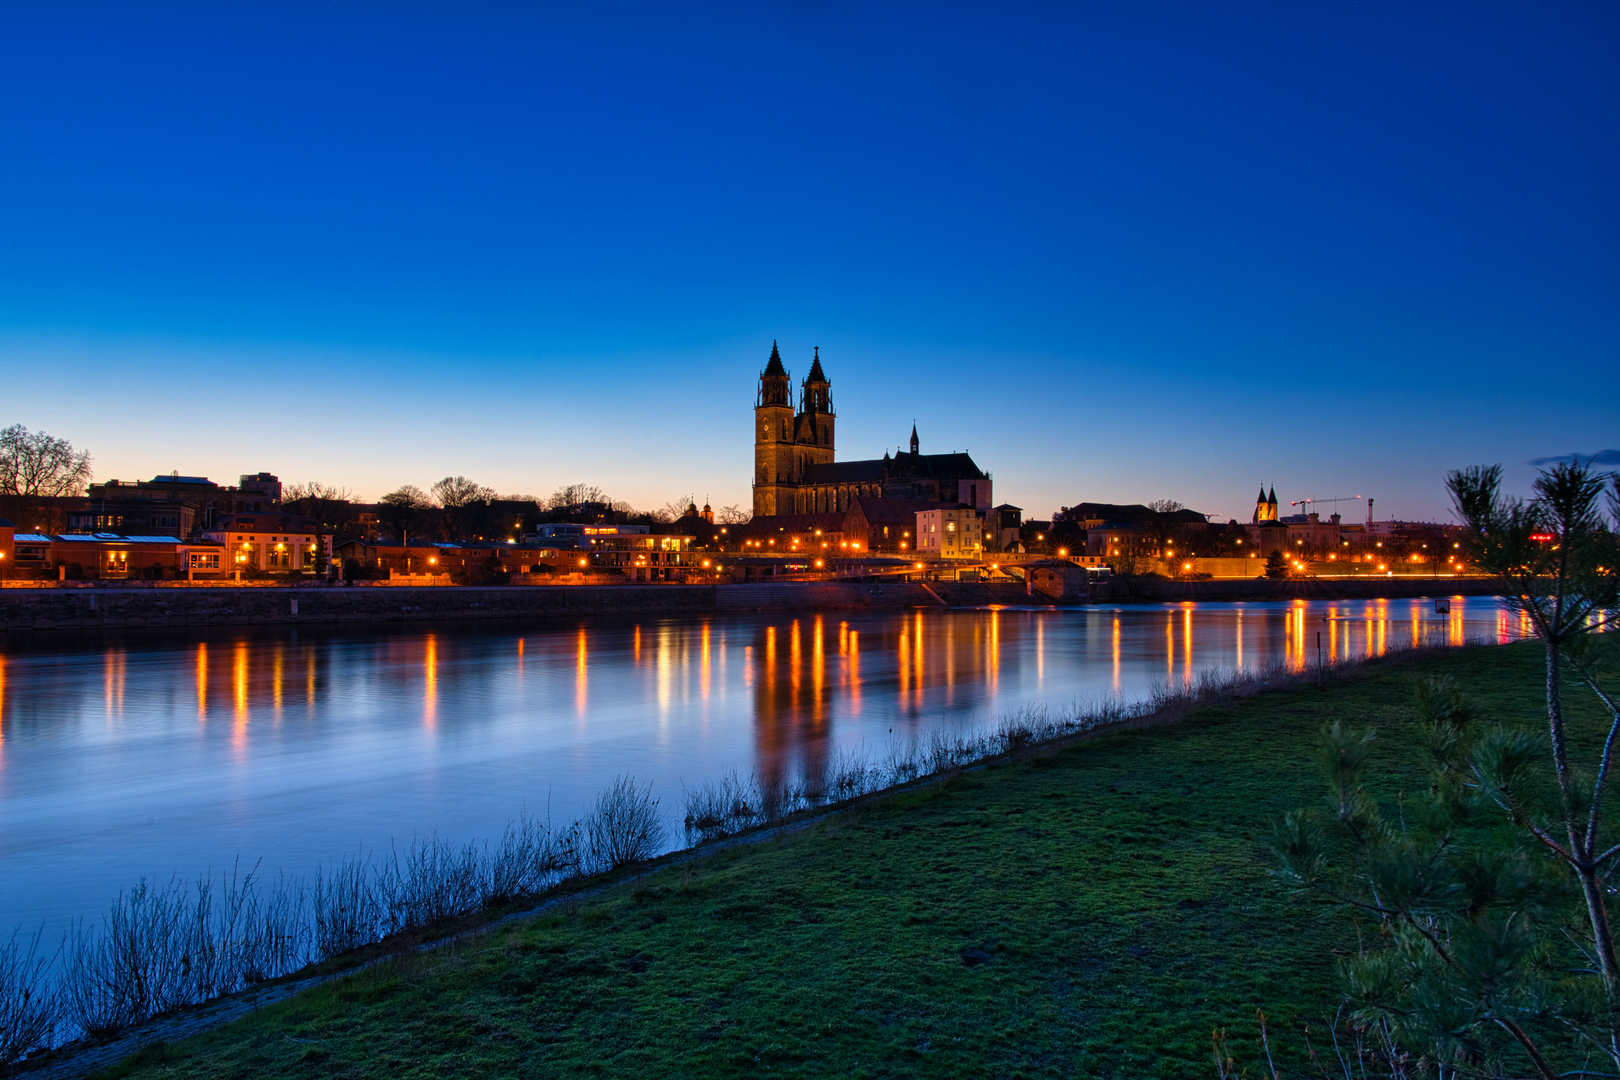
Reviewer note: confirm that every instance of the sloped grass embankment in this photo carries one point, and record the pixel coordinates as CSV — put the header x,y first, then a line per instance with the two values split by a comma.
x,y
1094,912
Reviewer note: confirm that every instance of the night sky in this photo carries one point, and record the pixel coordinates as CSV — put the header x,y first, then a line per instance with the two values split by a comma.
x,y
1118,252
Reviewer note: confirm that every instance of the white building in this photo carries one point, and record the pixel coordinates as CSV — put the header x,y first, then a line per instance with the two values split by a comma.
x,y
954,532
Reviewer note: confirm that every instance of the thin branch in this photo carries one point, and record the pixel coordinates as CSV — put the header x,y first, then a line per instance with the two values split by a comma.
x,y
1530,1048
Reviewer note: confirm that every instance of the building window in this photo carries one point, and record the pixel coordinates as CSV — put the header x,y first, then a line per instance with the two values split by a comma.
x,y
117,562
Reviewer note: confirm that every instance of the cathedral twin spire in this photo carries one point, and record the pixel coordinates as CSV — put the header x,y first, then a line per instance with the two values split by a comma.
x,y
1265,509
776,386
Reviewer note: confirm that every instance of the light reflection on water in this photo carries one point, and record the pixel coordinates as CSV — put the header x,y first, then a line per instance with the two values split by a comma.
x,y
158,757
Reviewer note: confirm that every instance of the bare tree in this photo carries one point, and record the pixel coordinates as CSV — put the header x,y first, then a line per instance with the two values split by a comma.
x,y
676,508
455,491
405,509
36,465
327,504
580,501
733,515
464,503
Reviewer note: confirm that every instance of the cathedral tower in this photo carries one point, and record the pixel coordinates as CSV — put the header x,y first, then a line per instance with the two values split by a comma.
x,y
1265,509
813,426
775,471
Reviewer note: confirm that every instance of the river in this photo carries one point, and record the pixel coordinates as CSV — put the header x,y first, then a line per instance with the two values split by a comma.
x,y
161,755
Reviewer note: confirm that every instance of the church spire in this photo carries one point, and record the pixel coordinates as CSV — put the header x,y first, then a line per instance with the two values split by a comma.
x,y
817,396
774,366
775,388
914,443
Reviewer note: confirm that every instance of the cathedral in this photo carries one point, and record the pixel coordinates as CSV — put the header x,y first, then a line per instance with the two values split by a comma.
x,y
794,470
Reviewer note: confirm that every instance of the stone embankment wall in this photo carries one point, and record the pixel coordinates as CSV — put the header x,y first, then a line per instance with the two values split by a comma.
x,y
112,607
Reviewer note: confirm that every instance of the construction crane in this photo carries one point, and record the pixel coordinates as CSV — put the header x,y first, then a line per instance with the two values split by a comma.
x,y
1307,503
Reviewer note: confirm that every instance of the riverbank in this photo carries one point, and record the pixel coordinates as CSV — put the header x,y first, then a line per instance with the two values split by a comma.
x,y
124,607
1093,912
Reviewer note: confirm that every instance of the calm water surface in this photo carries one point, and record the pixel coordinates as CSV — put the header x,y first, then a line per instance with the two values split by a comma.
x,y
163,757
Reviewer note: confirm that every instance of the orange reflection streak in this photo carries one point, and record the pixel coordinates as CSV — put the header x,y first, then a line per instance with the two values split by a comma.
x,y
1116,654
795,658
309,681
202,682
580,680
770,662
520,658
704,668
1169,647
1239,636
818,668
662,665
239,693
113,678
636,647
276,665
855,672
1186,645
843,638
1333,633
903,666
1040,651
430,681
1383,627
950,660
748,665
995,650
239,680
917,663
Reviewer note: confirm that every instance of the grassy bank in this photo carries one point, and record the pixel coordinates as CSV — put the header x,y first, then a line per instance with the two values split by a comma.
x,y
1092,913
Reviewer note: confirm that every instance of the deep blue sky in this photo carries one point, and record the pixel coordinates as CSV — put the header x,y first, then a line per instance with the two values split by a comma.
x,y
1119,252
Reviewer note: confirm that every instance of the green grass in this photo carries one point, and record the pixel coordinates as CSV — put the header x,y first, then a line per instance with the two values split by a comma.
x,y
1093,913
